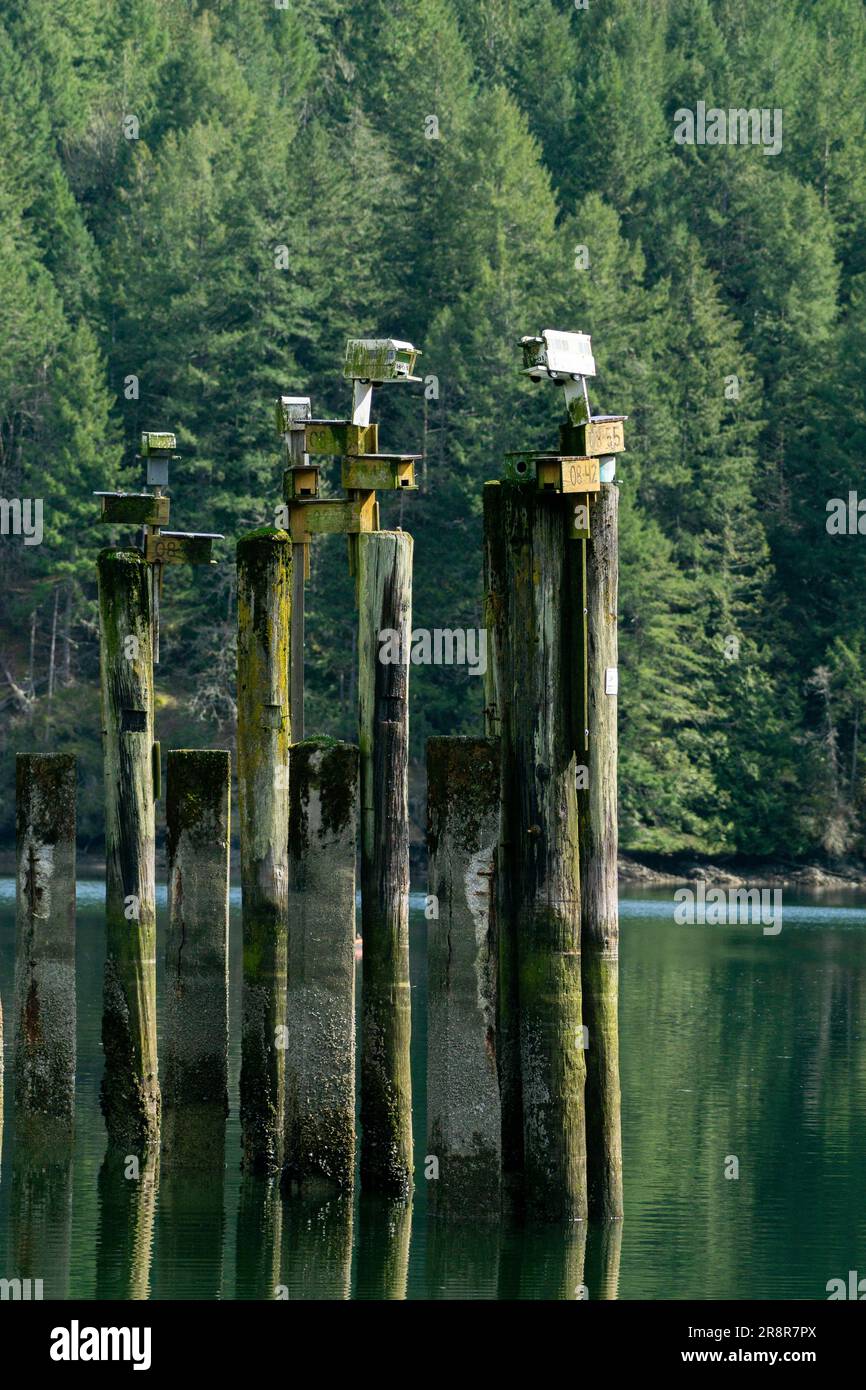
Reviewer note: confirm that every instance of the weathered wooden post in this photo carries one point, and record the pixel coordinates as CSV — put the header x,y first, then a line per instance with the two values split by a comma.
x,y
130,1088
463,1110
195,1062
264,562
535,604
45,950
130,584
382,564
597,818
320,1021
385,624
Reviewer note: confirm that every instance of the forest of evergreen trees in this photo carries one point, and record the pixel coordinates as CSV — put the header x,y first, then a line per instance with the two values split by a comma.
x,y
200,200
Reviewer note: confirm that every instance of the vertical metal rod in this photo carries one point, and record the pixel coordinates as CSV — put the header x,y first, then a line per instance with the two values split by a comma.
x,y
297,457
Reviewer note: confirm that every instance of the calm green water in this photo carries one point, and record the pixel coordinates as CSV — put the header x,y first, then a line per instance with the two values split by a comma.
x,y
733,1044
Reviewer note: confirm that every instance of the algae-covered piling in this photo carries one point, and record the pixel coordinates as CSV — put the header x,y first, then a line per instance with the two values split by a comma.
x,y
320,1020
463,1110
195,1052
534,605
385,622
598,873
264,563
130,1088
44,1067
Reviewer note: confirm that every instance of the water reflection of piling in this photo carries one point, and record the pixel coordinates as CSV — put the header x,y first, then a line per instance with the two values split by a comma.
x,y
127,1192
317,1248
385,1227
40,1219
190,1233
537,1262
603,1249
462,1261
44,1069
259,1238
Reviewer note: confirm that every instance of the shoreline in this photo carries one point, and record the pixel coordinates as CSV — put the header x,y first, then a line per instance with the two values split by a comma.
x,y
667,871
659,871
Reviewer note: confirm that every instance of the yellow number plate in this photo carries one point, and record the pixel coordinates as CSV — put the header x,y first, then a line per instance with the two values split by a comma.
x,y
580,475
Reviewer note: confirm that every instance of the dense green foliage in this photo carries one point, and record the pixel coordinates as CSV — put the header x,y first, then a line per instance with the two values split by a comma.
x,y
200,201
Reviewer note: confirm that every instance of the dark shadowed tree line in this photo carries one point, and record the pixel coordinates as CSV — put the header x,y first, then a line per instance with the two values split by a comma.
x,y
200,201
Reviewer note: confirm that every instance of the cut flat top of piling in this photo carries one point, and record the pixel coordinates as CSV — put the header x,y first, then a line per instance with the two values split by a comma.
x,y
263,533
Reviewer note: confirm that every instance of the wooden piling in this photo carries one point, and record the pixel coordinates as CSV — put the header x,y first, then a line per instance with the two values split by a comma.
x,y
130,1087
597,819
320,1020
264,561
534,609
195,1061
45,950
385,607
463,1110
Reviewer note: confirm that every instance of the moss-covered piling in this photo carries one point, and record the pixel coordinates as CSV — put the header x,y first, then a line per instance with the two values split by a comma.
x,y
195,1049
320,1019
597,808
264,564
44,1067
385,607
463,1111
534,605
130,1087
